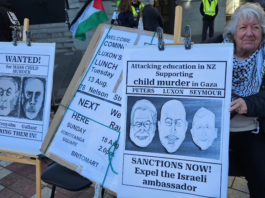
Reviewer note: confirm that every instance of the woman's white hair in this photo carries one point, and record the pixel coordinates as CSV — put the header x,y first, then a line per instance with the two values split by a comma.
x,y
247,11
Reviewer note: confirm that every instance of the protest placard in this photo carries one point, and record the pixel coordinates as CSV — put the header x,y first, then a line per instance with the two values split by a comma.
x,y
87,122
26,77
175,126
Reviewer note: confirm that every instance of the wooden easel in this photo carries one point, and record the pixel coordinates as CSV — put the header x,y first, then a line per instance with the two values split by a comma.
x,y
177,27
22,157
25,159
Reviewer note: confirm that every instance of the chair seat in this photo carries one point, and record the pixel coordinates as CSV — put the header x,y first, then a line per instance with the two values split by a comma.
x,y
63,177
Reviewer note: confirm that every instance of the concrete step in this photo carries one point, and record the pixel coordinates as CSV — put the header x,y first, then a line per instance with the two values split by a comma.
x,y
53,33
47,26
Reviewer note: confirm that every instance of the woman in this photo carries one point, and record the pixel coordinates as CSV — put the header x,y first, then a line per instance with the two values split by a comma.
x,y
247,128
126,17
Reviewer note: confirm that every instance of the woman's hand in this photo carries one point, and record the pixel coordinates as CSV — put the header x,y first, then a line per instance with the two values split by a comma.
x,y
239,106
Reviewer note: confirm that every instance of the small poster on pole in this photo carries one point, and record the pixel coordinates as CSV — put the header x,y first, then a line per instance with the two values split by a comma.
x,y
175,129
26,76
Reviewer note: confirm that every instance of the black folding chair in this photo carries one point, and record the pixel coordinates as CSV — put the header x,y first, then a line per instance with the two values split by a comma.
x,y
58,175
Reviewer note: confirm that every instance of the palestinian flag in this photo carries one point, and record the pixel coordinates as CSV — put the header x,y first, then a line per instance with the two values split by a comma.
x,y
89,17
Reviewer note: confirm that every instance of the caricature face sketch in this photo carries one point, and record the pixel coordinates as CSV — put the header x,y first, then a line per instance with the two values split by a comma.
x,y
32,97
8,95
143,123
172,126
203,128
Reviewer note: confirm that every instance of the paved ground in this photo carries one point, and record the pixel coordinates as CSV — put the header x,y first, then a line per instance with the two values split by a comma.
x,y
18,180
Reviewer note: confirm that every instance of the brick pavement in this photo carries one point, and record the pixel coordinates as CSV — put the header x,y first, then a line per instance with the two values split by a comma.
x,y
18,181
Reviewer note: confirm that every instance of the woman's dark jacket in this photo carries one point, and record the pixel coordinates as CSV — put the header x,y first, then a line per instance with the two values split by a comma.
x,y
256,102
126,19
152,18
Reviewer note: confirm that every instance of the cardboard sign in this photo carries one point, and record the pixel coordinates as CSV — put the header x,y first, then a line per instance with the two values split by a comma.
x,y
175,130
25,95
88,122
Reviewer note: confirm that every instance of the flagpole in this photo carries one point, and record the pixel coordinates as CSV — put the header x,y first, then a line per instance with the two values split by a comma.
x,y
66,13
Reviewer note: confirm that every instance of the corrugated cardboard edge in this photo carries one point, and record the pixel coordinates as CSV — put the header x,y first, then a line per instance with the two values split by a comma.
x,y
76,80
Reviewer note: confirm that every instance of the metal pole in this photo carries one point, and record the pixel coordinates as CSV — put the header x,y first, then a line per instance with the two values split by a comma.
x,y
66,5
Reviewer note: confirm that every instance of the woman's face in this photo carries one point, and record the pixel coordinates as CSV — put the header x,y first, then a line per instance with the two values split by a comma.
x,y
247,36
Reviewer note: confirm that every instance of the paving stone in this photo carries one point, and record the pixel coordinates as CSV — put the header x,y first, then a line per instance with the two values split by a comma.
x,y
240,184
236,194
6,193
44,183
45,165
5,163
24,170
17,196
32,176
65,192
20,185
60,195
230,181
1,187
27,170
45,193
4,172
86,193
10,179
29,191
50,186
16,167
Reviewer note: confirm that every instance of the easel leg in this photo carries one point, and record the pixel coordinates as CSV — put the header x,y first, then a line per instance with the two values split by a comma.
x,y
38,178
